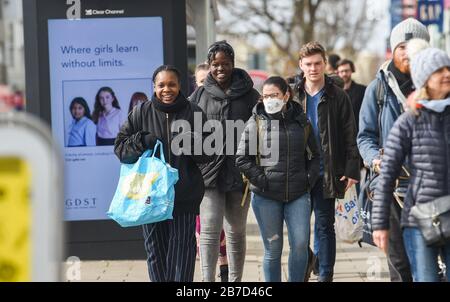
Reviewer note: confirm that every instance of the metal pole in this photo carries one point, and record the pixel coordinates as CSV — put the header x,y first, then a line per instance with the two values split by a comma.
x,y
3,73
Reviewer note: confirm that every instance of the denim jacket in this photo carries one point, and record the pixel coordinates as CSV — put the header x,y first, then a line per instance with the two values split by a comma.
x,y
369,140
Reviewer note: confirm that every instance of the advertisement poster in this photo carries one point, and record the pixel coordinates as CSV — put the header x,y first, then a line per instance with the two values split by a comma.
x,y
97,66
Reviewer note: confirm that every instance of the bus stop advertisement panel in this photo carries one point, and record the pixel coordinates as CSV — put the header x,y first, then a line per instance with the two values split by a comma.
x,y
94,57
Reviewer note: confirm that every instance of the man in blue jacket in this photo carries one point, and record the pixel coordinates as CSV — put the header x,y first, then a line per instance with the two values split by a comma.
x,y
383,103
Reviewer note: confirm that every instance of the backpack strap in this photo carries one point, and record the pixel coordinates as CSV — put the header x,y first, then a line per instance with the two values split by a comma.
x,y
258,138
379,92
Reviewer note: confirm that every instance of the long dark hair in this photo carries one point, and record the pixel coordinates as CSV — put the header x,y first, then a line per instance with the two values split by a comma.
x,y
98,107
137,96
281,84
82,102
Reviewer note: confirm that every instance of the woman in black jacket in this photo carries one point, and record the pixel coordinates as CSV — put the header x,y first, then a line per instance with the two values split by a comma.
x,y
227,98
279,156
170,244
421,135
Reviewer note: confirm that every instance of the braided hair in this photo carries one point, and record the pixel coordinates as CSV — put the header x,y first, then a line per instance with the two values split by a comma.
x,y
220,46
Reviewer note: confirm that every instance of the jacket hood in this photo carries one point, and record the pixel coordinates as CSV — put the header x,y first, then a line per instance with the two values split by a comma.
x,y
384,66
384,74
241,83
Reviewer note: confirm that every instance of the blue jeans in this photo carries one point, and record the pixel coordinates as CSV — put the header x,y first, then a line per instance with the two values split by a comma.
x,y
423,258
324,234
270,215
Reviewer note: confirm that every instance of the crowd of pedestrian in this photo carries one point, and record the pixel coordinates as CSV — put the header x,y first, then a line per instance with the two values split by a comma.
x,y
305,141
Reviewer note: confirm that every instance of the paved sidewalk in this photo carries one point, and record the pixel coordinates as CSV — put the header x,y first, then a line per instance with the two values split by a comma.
x,y
353,264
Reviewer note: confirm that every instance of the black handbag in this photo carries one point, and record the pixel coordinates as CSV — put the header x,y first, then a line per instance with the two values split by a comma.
x,y
433,219
365,202
366,199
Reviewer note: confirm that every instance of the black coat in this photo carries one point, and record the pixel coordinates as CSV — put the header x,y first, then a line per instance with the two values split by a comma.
x,y
337,128
289,175
425,139
153,120
234,105
356,94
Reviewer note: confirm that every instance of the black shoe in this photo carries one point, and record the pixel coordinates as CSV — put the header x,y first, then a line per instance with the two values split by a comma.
x,y
315,269
325,279
223,273
311,260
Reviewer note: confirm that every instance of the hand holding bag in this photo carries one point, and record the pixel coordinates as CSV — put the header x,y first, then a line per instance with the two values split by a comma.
x,y
434,220
145,192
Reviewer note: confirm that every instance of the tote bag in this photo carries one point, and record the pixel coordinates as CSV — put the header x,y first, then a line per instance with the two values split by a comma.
x,y
349,225
145,192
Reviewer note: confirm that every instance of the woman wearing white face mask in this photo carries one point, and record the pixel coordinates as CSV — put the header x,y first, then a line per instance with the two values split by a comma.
x,y
281,160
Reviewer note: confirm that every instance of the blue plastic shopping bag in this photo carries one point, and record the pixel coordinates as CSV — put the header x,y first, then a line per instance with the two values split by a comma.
x,y
145,192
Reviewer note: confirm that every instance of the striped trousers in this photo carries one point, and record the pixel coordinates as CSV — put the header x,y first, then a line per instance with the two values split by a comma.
x,y
171,249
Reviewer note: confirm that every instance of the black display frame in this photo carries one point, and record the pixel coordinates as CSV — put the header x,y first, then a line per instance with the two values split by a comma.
x,y
96,239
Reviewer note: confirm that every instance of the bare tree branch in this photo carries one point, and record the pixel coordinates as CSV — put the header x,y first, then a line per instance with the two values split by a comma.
x,y
290,23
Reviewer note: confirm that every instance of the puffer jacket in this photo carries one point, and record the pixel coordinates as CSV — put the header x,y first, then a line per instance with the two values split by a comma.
x,y
286,173
426,140
151,120
234,105
337,128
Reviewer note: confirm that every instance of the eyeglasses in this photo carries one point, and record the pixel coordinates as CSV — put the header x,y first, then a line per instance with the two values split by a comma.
x,y
271,96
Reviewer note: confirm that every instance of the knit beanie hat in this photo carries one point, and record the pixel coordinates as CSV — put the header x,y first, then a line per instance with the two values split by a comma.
x,y
407,30
415,46
425,63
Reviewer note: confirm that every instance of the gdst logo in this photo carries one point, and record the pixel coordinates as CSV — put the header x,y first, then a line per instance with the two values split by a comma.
x,y
81,203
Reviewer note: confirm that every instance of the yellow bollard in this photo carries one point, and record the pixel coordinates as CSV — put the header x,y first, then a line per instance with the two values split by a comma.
x,y
15,220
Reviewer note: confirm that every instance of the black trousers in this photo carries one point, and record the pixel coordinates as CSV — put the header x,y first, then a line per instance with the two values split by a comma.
x,y
398,263
171,249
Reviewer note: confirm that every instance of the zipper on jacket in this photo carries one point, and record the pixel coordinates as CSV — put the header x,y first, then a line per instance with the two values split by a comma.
x,y
444,125
287,162
168,136
330,151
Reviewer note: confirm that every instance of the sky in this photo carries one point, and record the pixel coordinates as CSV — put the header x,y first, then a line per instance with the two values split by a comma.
x,y
380,8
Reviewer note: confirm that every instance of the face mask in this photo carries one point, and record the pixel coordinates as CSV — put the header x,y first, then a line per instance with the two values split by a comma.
x,y
273,106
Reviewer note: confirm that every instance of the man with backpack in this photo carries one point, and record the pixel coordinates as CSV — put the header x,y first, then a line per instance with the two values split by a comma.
x,y
384,101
